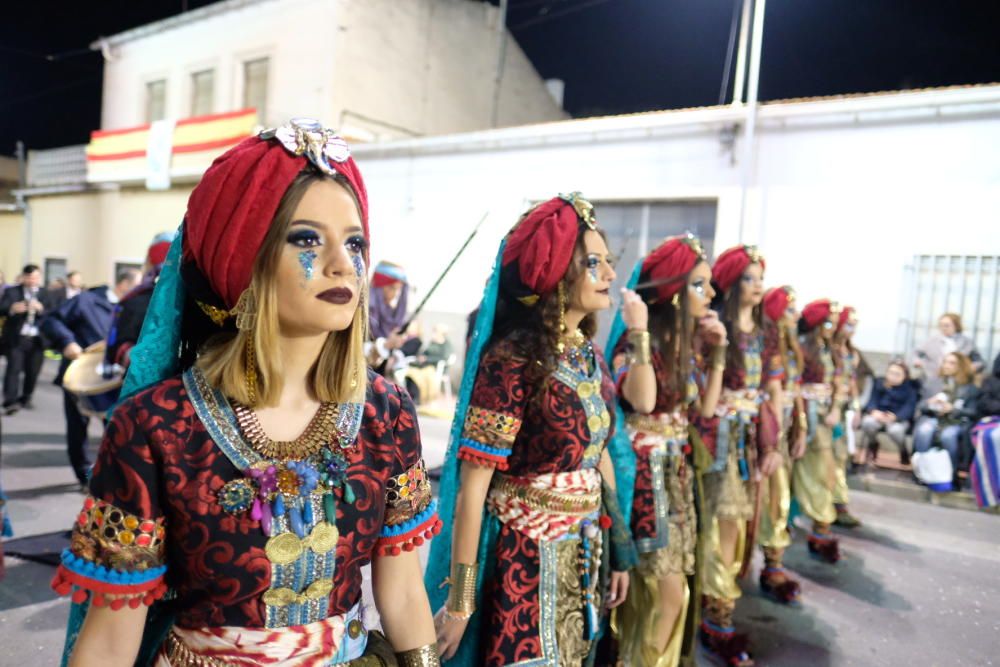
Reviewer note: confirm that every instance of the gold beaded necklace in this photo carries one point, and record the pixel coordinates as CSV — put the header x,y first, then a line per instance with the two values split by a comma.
x,y
318,434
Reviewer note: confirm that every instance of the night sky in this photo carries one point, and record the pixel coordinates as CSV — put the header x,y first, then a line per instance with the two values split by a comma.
x,y
616,56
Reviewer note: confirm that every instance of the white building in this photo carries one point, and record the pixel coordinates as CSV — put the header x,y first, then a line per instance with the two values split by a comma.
x,y
847,193
375,68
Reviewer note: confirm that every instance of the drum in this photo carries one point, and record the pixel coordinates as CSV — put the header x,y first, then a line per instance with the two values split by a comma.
x,y
94,384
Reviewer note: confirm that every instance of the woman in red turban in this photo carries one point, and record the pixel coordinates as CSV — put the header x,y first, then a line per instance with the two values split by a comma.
x,y
265,465
662,391
781,346
849,360
739,447
814,475
525,579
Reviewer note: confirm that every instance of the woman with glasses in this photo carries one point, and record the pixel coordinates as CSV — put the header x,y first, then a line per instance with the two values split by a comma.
x,y
662,388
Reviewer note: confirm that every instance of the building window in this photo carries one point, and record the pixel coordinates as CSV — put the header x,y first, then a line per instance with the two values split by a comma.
x,y
255,86
55,269
202,92
156,100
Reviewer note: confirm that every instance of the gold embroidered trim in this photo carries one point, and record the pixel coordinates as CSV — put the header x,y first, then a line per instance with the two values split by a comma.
x,y
548,500
490,427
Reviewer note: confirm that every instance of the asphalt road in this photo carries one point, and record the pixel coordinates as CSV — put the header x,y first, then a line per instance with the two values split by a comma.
x,y
919,584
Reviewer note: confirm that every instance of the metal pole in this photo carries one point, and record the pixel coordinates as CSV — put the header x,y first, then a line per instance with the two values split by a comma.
x,y
749,151
22,202
741,54
501,59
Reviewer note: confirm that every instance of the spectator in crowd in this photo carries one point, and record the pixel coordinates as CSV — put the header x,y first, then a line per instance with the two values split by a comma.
x,y
131,311
62,290
423,371
890,408
948,413
387,309
931,353
21,339
77,324
988,401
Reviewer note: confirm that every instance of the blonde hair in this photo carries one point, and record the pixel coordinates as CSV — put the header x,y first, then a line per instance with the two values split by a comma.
x,y
340,371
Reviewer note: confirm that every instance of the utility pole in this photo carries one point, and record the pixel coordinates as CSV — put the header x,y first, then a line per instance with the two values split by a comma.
x,y
501,60
22,202
749,150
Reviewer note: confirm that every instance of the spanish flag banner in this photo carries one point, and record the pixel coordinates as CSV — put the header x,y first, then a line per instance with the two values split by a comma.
x,y
121,155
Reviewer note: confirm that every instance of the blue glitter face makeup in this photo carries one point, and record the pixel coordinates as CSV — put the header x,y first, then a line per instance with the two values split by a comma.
x,y
306,260
359,267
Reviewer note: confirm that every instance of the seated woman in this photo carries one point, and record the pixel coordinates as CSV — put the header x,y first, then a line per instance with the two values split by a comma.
x,y
951,410
928,357
890,409
988,401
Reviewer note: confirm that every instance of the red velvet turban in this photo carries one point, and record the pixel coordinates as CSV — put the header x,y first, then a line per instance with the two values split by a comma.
x,y
845,315
674,258
776,301
158,248
232,207
731,264
542,243
818,311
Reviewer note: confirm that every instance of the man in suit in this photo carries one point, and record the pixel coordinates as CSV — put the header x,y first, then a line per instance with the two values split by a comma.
x,y
78,323
23,308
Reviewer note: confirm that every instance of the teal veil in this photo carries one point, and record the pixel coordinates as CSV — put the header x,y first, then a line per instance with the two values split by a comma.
x,y
439,563
620,447
155,357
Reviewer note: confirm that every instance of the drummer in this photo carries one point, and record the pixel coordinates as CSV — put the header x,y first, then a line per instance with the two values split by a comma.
x,y
76,324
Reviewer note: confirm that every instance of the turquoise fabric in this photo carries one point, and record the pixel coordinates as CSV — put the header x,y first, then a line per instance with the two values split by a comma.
x,y
620,447
154,358
439,563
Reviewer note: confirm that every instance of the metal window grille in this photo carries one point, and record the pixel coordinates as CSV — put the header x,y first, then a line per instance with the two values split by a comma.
x,y
202,92
635,228
963,284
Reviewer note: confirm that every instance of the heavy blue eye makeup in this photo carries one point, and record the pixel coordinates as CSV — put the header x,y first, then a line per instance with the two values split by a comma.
x,y
698,286
304,238
356,244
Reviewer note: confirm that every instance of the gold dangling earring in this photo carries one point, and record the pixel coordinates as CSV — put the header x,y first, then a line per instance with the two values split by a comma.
x,y
246,310
676,301
561,345
250,361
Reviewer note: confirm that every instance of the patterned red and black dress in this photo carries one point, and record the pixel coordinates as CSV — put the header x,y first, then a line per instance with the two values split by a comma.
x,y
545,442
663,521
262,558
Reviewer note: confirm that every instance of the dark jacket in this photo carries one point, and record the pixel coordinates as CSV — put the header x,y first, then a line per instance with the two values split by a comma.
x,y
11,334
900,400
85,319
964,398
988,402
127,322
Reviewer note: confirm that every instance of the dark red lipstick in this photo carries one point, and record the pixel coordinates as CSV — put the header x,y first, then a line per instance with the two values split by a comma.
x,y
337,295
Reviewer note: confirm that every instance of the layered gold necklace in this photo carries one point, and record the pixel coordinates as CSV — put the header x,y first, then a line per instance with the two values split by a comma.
x,y
318,434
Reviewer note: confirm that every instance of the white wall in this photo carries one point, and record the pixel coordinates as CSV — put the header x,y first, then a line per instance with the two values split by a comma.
x,y
838,208
299,36
393,68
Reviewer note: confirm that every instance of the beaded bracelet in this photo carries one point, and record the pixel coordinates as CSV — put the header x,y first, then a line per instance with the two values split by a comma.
x,y
640,354
423,656
462,595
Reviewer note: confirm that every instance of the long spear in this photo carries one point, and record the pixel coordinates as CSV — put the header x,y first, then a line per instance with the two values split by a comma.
x,y
423,302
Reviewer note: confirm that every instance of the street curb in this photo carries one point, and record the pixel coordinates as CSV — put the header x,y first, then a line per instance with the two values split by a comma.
x,y
908,490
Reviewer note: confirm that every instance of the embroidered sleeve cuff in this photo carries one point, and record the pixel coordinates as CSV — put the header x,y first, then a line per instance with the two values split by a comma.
x,y
406,536
476,452
114,588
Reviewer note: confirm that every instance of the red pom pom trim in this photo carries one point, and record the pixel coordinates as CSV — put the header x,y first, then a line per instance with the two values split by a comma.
x,y
605,522
482,459
395,545
66,581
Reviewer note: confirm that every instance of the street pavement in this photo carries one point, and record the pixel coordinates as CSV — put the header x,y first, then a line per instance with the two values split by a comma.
x,y
918,585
